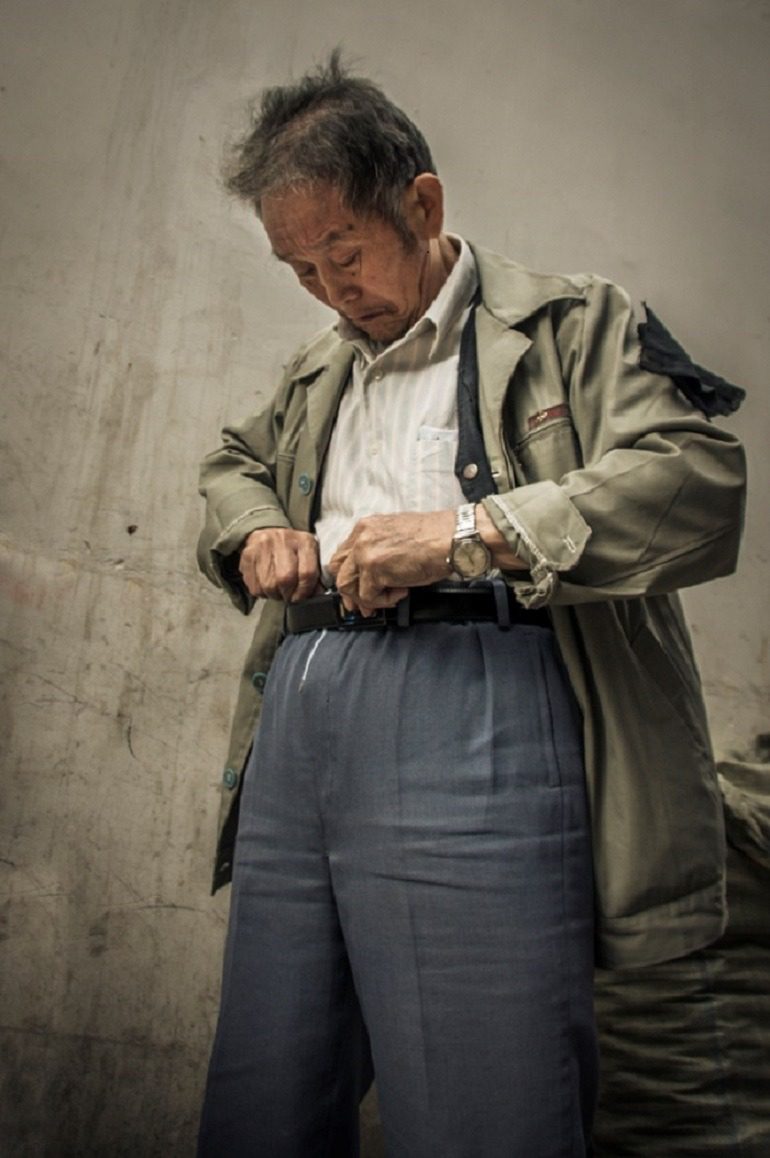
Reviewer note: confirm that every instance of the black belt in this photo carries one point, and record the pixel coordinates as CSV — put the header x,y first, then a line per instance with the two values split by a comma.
x,y
489,602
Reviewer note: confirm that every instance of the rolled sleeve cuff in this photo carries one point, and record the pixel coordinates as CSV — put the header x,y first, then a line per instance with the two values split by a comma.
x,y
546,530
229,539
225,550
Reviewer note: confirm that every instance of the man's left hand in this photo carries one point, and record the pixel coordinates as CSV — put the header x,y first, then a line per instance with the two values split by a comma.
x,y
384,555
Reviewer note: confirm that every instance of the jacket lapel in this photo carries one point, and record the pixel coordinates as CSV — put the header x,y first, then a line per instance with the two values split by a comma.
x,y
499,350
510,294
323,398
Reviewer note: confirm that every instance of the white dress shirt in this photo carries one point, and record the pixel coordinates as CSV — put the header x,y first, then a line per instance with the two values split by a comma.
x,y
394,443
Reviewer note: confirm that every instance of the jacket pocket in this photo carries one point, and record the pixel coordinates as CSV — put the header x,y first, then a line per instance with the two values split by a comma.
x,y
548,452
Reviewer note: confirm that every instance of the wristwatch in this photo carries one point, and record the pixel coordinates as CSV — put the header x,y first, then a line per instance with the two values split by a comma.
x,y
469,556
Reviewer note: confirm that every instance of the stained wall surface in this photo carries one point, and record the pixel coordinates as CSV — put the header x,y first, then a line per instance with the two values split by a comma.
x,y
140,309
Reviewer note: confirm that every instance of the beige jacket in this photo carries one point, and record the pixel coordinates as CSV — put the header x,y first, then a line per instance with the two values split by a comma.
x,y
617,492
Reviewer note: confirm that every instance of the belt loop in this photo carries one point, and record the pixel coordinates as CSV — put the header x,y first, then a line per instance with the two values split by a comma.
x,y
404,611
502,604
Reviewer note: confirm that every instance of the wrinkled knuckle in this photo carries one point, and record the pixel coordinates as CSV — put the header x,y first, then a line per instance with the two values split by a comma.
x,y
307,579
376,556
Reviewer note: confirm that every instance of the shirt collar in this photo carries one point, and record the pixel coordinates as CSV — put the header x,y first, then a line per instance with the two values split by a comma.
x,y
448,305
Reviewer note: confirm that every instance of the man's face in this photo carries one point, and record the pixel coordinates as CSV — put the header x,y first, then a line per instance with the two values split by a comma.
x,y
359,266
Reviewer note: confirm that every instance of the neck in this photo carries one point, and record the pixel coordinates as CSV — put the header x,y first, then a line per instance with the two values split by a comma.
x,y
440,259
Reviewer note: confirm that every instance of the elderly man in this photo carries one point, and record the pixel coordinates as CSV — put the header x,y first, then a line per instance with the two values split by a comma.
x,y
482,750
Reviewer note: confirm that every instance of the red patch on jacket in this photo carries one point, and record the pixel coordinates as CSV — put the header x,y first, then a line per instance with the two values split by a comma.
x,y
547,415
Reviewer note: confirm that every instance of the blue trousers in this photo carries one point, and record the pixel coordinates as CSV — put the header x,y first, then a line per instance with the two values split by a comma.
x,y
413,892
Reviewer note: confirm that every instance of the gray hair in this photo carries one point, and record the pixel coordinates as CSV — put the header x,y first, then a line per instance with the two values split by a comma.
x,y
335,129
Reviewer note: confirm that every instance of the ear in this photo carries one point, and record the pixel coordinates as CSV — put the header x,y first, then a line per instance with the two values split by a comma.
x,y
424,206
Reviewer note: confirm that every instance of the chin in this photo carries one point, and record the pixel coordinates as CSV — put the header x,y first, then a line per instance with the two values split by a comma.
x,y
384,329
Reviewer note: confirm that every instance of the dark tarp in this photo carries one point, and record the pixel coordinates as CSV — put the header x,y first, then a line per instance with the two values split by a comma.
x,y
686,1045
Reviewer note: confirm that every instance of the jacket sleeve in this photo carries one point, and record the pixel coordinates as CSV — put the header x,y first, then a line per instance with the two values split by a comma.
x,y
238,483
655,502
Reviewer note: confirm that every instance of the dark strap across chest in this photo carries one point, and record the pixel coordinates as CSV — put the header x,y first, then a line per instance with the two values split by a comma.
x,y
472,468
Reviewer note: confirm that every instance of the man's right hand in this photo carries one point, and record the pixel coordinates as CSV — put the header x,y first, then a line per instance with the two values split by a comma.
x,y
280,563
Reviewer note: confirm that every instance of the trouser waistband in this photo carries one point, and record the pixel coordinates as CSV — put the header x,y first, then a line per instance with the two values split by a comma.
x,y
487,602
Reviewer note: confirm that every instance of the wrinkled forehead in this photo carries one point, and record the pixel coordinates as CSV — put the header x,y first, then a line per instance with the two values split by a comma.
x,y
309,218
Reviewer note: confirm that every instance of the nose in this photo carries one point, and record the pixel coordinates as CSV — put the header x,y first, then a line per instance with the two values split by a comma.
x,y
339,286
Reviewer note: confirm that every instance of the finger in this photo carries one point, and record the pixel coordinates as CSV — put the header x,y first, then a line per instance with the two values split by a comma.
x,y
246,566
392,595
256,589
268,576
275,560
346,575
338,560
282,567
252,561
387,598
372,588
348,590
351,604
308,571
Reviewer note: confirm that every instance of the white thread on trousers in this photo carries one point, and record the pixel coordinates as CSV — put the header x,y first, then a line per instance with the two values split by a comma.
x,y
313,650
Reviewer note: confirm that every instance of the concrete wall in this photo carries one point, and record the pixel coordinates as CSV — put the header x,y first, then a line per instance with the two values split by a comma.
x,y
140,309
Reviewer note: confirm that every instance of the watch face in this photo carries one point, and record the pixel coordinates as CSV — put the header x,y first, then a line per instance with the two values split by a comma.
x,y
470,558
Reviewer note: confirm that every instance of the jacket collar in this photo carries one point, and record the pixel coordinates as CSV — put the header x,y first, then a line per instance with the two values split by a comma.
x,y
513,293
510,292
322,351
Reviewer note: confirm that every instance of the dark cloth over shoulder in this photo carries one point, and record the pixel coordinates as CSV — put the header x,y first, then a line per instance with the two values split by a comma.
x,y
662,354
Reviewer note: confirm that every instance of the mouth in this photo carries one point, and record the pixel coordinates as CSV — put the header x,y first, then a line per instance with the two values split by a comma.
x,y
369,316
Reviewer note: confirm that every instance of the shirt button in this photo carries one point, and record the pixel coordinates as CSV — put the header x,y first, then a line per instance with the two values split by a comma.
x,y
259,679
374,448
470,471
229,778
305,484
378,376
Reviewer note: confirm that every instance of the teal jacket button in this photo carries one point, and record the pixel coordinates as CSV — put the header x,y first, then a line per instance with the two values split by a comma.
x,y
305,484
259,679
230,778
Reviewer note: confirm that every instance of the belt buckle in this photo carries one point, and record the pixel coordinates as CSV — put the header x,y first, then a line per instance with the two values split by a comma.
x,y
353,621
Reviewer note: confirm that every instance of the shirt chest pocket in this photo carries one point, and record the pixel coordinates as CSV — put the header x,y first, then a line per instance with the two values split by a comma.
x,y
434,453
